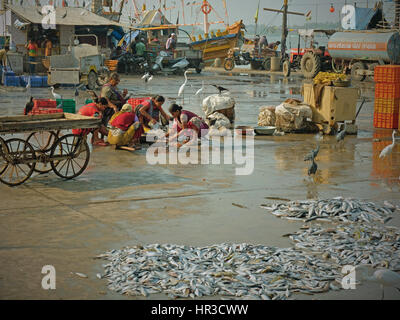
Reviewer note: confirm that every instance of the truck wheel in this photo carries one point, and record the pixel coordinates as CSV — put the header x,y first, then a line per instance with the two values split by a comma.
x,y
286,68
92,80
198,70
310,65
267,64
354,68
229,64
372,68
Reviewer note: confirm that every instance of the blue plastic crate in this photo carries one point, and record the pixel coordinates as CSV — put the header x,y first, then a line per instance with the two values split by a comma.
x,y
44,81
12,81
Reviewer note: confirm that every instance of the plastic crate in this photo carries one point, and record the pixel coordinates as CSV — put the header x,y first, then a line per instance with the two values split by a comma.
x,y
44,103
69,109
383,105
12,81
387,90
135,101
45,111
387,74
44,81
87,101
386,120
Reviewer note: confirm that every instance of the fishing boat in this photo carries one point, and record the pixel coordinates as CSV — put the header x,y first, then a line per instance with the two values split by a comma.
x,y
216,45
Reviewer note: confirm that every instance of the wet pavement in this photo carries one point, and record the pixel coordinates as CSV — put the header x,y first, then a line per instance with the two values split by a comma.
x,y
121,200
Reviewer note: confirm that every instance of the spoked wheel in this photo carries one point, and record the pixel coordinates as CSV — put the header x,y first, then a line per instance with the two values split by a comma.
x,y
42,142
20,158
3,152
70,156
229,64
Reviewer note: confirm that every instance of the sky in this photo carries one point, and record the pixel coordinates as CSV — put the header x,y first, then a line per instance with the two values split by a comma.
x,y
240,9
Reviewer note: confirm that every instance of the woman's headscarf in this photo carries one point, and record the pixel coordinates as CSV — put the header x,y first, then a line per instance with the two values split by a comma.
x,y
126,108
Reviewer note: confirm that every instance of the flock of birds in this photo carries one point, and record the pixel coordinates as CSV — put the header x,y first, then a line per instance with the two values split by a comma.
x,y
340,138
147,77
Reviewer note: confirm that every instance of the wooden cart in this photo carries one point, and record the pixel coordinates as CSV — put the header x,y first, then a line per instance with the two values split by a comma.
x,y
44,149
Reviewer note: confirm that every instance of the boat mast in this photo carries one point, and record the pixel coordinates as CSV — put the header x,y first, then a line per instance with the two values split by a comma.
x,y
284,29
135,8
206,23
226,13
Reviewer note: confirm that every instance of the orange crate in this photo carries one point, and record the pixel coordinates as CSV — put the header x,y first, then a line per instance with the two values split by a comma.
x,y
135,101
44,103
386,120
387,73
383,105
387,90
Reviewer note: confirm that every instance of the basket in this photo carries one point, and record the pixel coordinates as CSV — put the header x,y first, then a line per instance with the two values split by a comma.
x,y
44,103
136,101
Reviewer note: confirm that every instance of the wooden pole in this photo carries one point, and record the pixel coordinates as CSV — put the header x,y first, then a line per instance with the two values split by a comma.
x,y
284,29
281,11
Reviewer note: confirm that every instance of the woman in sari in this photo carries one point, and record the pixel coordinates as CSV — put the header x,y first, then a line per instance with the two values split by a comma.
x,y
186,123
123,125
148,113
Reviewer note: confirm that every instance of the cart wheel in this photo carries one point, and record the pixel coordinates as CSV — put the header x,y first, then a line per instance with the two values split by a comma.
x,y
229,64
3,159
74,153
267,64
20,158
42,142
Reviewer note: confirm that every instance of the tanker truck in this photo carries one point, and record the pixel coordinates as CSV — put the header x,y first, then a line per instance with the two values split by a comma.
x,y
360,51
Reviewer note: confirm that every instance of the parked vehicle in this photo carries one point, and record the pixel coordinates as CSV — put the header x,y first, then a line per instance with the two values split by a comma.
x,y
311,59
129,63
236,57
83,64
359,52
165,63
194,56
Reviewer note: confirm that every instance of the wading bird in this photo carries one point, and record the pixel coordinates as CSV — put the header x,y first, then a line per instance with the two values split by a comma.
x,y
388,149
183,85
341,134
220,89
55,95
384,277
200,90
313,168
319,136
147,77
312,154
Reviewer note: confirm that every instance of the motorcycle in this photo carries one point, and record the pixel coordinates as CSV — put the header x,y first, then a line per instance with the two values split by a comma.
x,y
165,63
236,57
130,63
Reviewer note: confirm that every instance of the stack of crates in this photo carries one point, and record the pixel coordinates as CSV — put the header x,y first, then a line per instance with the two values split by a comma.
x,y
68,105
45,106
387,96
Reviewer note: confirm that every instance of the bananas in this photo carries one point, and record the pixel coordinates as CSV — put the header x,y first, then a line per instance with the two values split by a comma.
x,y
328,77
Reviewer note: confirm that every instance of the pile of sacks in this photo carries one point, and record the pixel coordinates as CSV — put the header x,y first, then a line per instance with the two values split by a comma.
x,y
290,116
220,113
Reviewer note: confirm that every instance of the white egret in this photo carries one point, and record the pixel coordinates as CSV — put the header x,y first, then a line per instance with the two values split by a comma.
x,y
384,277
183,85
55,95
28,85
388,149
200,90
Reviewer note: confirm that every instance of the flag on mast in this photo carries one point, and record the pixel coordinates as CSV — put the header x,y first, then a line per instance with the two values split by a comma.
x,y
256,15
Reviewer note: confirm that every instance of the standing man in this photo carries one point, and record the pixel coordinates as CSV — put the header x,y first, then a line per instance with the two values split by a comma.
x,y
171,43
263,43
3,61
140,48
32,53
48,45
